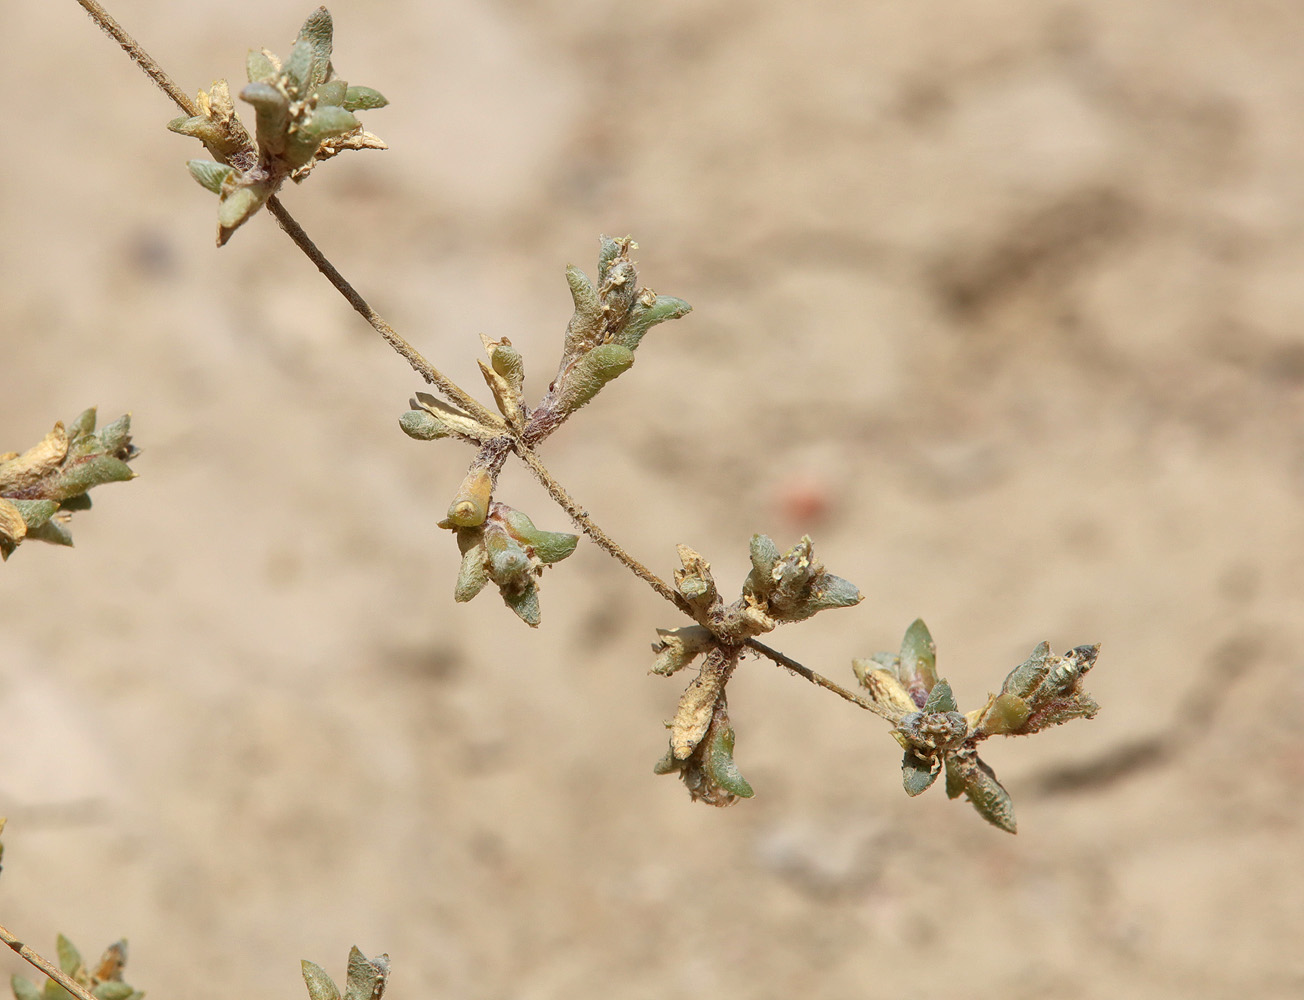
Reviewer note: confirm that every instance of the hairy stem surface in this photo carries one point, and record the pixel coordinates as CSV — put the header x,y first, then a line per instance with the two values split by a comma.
x,y
45,966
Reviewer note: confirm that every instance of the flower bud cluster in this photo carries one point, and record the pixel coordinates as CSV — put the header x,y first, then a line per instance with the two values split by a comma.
x,y
506,548
40,488
1045,690
303,114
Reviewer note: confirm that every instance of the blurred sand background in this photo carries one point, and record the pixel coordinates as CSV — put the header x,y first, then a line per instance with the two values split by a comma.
x,y
1001,302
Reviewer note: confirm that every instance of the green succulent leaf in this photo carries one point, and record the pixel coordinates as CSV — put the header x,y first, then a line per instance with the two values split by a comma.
x,y
422,425
940,699
364,99
990,798
298,69
237,207
585,326
209,173
367,976
317,36
918,773
549,546
954,780
593,371
474,572
1025,678
918,657
52,532
327,122
113,989
70,960
332,92
642,317
35,512
271,115
719,764
525,603
258,67
320,985
24,989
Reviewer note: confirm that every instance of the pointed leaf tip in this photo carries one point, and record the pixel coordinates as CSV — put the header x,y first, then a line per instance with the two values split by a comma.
x,y
320,985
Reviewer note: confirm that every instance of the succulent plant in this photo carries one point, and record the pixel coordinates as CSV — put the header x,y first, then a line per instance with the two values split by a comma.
x,y
303,114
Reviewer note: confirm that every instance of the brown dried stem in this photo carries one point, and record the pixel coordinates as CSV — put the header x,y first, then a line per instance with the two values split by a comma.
x,y
139,56
405,350
45,965
819,680
585,524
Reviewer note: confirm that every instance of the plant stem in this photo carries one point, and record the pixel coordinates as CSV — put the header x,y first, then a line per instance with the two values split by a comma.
x,y
296,233
819,679
139,56
445,385
409,353
585,523
45,965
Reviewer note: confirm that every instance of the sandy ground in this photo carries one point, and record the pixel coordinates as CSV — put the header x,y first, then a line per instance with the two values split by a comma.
x,y
1001,302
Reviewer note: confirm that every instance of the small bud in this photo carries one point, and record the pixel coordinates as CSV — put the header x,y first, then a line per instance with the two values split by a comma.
x,y
470,505
760,581
422,425
694,582
509,566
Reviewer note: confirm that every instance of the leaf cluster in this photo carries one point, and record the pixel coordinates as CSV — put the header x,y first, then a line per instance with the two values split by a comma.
x,y
104,981
303,114
1043,691
497,542
366,979
780,588
41,488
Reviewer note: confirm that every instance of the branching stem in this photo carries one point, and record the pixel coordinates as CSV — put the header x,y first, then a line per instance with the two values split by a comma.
x,y
446,386
43,964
